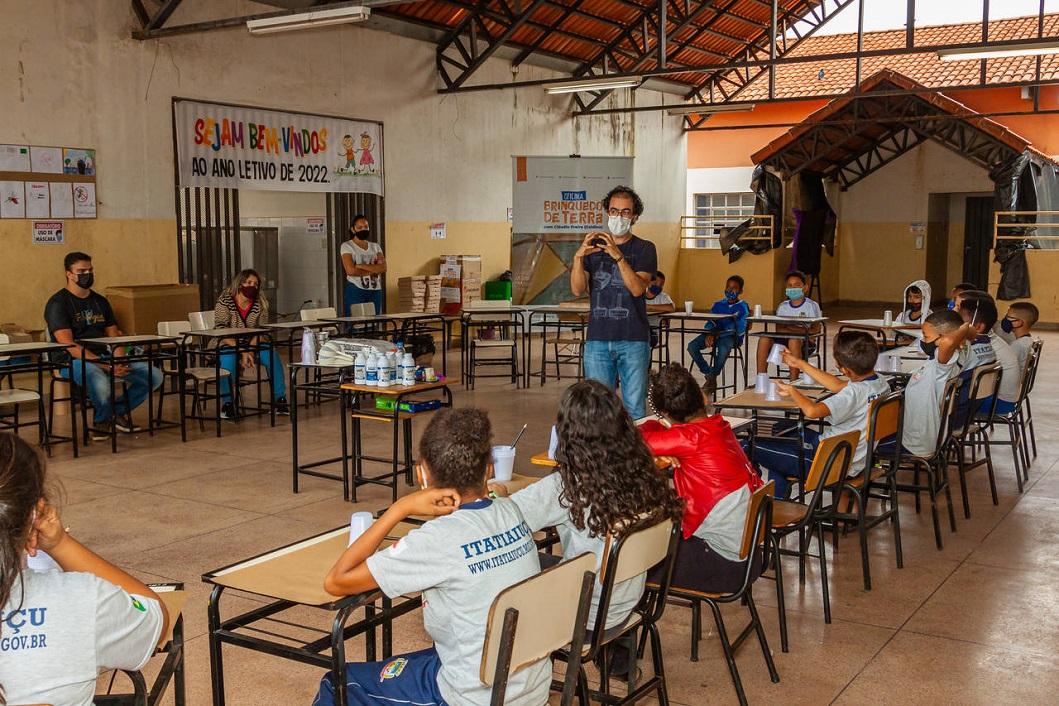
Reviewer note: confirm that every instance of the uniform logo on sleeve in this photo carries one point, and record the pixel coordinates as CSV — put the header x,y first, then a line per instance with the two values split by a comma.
x,y
392,669
138,606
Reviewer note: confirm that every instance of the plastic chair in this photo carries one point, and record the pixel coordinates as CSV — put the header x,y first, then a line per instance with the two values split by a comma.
x,y
319,314
201,320
534,618
969,425
195,374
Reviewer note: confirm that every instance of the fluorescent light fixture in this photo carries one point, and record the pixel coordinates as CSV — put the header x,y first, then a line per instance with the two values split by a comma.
x,y
710,109
307,20
985,52
593,84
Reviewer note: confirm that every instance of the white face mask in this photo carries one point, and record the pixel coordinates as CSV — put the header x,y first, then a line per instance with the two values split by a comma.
x,y
618,225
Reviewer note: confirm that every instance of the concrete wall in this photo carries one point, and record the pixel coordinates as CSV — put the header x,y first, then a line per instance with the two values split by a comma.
x,y
74,76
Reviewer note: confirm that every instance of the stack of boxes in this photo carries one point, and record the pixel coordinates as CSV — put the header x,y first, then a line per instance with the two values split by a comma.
x,y
461,281
420,293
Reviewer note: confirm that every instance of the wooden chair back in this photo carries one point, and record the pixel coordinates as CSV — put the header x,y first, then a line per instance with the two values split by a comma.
x,y
755,529
826,470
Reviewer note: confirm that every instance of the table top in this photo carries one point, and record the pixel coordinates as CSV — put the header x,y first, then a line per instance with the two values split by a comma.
x,y
542,459
748,399
879,324
384,318
146,338
703,315
289,325
773,319
908,366
398,389
552,309
31,347
226,332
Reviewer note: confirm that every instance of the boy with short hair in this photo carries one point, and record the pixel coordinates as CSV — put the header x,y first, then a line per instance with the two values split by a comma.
x,y
723,335
856,353
916,303
978,310
477,547
797,304
658,303
956,293
1018,323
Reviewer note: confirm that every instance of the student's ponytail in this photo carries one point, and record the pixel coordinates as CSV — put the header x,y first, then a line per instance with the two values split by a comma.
x,y
21,487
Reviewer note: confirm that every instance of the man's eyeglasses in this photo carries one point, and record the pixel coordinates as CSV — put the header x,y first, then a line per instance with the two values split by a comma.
x,y
624,213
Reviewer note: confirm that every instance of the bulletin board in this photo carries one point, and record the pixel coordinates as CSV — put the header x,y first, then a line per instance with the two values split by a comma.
x,y
39,181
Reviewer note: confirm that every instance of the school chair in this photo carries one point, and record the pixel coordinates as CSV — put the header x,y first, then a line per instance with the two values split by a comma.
x,y
201,320
196,375
504,342
1038,344
1015,421
969,425
567,344
14,398
173,597
59,386
625,559
807,519
327,312
532,619
935,468
878,481
754,552
738,360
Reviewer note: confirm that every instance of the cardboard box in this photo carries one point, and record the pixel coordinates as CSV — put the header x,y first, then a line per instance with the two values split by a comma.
x,y
139,308
461,281
16,334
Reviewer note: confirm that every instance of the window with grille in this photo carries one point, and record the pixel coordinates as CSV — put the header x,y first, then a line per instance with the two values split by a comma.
x,y
712,213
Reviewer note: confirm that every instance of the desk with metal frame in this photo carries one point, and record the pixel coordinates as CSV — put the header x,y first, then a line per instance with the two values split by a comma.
x,y
420,321
665,327
544,323
806,322
243,344
38,364
879,328
516,319
326,381
401,423
149,342
289,327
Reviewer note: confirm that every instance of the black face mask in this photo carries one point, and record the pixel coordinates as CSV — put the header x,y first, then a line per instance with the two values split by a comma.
x,y
928,347
362,234
249,291
85,280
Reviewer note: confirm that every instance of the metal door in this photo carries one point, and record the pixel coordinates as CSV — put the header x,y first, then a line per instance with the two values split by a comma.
x,y
977,240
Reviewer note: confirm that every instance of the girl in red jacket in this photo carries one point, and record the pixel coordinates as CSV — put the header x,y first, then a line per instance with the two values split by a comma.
x,y
711,473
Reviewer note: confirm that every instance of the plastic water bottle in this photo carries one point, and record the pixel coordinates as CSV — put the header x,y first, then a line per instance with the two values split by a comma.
x,y
408,370
371,371
308,347
385,372
360,375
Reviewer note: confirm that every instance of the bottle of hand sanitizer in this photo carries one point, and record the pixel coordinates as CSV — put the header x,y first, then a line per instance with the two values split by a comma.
x,y
371,371
359,368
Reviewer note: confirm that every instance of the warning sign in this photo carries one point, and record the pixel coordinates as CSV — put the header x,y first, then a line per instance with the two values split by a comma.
x,y
48,232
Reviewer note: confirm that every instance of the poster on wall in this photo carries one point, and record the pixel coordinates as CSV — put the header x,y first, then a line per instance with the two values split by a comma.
x,y
46,160
84,200
48,233
252,148
62,199
564,194
14,158
38,199
79,161
12,199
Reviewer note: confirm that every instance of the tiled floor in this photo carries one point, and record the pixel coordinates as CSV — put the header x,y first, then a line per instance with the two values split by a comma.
x,y
975,623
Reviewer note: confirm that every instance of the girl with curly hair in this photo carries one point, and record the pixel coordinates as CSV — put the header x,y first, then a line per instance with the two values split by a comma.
x,y
711,473
606,484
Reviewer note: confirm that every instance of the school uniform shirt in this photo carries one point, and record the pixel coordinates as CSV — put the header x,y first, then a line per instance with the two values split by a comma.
x,y
922,415
540,506
363,256
1009,362
979,352
86,318
739,308
907,316
659,299
808,308
1022,346
64,628
849,412
617,315
460,562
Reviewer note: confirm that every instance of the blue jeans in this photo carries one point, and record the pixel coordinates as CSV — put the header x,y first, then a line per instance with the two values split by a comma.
x,y
352,294
405,679
723,343
780,457
626,362
272,363
138,385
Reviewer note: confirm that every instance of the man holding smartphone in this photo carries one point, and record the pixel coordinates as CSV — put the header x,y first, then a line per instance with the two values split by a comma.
x,y
615,268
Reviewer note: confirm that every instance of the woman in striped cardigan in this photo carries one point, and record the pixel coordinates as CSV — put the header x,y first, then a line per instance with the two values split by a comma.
x,y
242,305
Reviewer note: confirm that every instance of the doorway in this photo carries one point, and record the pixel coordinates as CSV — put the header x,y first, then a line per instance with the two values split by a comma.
x,y
977,239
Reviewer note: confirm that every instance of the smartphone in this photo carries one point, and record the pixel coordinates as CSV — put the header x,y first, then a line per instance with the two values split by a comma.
x,y
598,243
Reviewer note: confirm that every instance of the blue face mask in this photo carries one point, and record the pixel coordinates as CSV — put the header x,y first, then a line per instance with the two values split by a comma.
x,y
655,290
952,304
730,295
794,293
1007,325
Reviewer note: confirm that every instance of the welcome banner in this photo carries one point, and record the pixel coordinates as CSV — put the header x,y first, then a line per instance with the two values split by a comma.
x,y
564,194
252,148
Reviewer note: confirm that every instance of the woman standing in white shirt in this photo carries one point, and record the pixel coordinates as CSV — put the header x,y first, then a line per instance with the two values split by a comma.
x,y
364,264
58,629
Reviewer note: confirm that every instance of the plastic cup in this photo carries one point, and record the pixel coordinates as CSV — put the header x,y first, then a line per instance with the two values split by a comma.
x,y
757,311
761,385
553,443
359,522
42,562
895,364
888,318
689,307
806,378
503,462
773,394
776,354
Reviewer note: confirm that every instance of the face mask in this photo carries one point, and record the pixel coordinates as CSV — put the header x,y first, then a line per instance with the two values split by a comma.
x,y
794,293
928,347
915,306
952,304
1007,325
85,280
618,225
362,234
655,290
730,295
248,291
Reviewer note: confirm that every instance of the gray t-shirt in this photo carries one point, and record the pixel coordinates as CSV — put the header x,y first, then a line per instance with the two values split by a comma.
x,y
722,529
67,627
460,563
849,412
922,416
540,505
1009,362
1022,346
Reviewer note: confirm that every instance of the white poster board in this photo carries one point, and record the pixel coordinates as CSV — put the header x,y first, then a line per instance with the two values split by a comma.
x,y
253,148
62,199
564,194
38,199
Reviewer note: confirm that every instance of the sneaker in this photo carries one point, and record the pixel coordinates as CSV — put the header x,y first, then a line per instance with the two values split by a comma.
x,y
227,411
125,425
102,431
709,385
282,407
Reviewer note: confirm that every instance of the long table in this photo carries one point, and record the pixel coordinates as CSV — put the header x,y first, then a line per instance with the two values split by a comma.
x,y
420,322
38,364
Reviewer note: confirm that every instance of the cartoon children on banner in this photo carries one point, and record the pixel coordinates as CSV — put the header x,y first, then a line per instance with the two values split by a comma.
x,y
367,160
349,152
366,146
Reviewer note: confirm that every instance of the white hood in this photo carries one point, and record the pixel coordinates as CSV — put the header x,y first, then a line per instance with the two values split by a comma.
x,y
923,286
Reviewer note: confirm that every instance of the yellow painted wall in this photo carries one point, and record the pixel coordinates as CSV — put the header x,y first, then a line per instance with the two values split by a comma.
x,y
124,252
1044,285
702,273
877,261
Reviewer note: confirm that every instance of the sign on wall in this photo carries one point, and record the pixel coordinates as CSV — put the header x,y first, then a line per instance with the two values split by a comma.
x,y
38,181
252,148
48,233
564,194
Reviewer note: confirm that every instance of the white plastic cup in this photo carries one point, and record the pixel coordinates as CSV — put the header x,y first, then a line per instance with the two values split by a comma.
x,y
776,354
773,394
503,462
806,378
757,311
42,562
689,306
359,522
895,364
553,443
761,386
883,362
888,318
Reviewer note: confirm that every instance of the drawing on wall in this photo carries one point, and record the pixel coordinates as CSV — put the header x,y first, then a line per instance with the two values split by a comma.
x,y
84,200
12,199
77,161
46,160
38,199
62,199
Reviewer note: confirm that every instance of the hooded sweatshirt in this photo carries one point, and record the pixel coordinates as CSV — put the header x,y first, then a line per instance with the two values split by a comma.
x,y
905,316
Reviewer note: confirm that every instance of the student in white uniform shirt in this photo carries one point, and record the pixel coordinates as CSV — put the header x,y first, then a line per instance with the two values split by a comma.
x,y
979,310
1017,327
796,305
60,628
606,483
477,547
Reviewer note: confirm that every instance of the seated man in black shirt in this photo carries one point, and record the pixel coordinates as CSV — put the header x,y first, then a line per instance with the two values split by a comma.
x,y
76,312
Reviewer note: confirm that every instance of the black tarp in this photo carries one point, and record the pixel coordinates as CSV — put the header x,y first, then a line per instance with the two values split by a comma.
x,y
768,199
815,224
1027,182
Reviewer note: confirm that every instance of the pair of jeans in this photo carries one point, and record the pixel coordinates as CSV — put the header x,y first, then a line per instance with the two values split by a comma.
x,y
95,380
723,343
352,294
270,360
780,456
404,679
624,362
